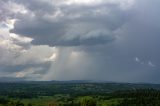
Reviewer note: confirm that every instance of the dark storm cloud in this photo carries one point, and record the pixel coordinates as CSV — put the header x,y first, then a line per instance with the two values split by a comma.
x,y
73,24
137,38
99,41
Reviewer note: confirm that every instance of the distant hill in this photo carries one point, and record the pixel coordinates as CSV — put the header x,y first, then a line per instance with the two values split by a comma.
x,y
11,79
19,88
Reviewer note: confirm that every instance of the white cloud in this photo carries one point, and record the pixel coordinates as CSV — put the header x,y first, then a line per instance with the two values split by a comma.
x,y
137,59
18,57
123,3
54,55
29,74
151,64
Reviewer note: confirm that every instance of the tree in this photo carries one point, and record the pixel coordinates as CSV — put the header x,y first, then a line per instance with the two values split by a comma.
x,y
88,101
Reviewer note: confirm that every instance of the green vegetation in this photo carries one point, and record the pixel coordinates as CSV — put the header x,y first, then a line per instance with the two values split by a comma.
x,y
78,94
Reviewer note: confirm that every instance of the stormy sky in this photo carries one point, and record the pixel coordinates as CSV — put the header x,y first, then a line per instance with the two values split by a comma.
x,y
108,40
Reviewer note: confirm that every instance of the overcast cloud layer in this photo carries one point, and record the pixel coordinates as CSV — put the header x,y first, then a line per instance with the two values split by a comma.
x,y
111,40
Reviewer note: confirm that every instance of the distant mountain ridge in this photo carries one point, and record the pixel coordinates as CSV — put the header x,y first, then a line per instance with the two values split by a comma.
x,y
17,80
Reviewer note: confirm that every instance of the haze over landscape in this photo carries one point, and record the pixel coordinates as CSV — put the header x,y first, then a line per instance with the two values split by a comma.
x,y
100,40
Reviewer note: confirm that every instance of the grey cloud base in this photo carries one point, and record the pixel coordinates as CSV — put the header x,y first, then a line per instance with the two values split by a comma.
x,y
75,25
